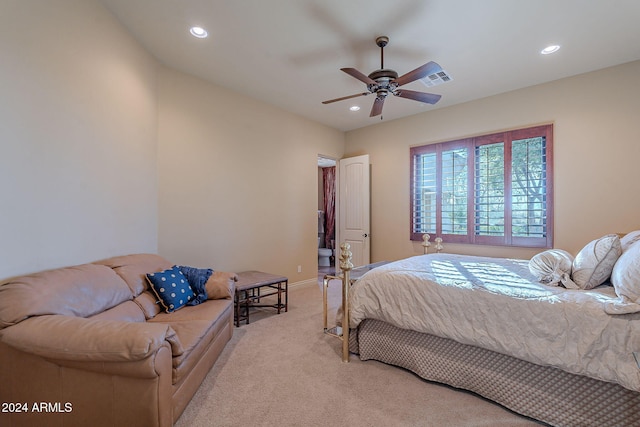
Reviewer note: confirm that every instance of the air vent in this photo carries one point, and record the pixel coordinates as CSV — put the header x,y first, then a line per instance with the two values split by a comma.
x,y
436,78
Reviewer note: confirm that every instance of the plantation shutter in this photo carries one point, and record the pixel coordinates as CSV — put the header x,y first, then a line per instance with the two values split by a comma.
x,y
493,189
423,195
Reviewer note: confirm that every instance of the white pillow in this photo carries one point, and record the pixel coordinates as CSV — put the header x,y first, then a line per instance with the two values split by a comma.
x,y
594,263
553,267
629,239
626,281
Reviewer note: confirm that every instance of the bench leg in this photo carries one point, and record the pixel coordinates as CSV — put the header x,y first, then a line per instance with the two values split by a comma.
x,y
246,305
286,296
279,285
236,307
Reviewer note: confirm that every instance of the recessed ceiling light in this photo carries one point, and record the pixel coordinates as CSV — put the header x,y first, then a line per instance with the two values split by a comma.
x,y
550,49
354,108
198,32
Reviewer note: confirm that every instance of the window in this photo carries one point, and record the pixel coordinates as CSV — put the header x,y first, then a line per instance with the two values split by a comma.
x,y
492,189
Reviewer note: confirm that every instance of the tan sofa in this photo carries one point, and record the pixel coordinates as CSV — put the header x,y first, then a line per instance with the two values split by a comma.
x,y
89,346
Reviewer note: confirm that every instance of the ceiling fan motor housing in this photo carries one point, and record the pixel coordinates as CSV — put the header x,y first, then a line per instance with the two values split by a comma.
x,y
383,80
387,75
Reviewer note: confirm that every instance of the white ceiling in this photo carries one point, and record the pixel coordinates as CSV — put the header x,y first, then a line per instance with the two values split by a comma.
x,y
289,52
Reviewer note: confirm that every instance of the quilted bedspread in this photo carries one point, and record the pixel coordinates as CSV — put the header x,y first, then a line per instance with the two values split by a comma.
x,y
496,303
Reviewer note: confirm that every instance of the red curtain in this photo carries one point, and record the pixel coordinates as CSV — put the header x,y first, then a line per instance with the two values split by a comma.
x,y
329,185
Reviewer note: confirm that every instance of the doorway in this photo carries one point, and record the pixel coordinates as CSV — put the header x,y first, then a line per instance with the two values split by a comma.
x,y
326,215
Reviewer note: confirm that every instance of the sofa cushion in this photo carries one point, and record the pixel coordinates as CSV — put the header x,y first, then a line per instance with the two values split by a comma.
x,y
133,268
149,304
196,327
128,311
81,291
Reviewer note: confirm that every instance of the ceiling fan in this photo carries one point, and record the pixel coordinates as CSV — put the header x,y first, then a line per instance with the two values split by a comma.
x,y
382,82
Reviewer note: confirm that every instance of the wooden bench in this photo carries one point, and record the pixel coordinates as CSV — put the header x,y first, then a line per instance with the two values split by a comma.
x,y
252,286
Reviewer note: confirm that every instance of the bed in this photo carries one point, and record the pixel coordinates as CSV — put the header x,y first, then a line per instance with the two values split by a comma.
x,y
489,326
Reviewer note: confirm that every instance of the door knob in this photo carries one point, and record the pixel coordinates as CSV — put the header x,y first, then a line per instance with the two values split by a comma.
x,y
365,235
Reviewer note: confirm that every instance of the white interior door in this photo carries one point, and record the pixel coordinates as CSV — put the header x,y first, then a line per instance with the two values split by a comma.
x,y
353,205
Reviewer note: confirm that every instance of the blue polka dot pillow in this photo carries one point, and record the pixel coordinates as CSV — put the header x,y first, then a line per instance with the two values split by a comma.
x,y
171,288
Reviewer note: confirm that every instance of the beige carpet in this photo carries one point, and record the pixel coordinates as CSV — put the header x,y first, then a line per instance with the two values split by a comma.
x,y
282,370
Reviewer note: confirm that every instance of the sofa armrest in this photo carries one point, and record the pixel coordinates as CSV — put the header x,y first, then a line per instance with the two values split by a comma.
x,y
91,340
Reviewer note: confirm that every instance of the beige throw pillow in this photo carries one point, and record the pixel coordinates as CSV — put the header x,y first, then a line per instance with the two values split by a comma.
x,y
594,263
553,267
629,239
626,275
221,285
626,281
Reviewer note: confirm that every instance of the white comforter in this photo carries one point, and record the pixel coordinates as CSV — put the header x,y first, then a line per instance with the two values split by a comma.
x,y
495,303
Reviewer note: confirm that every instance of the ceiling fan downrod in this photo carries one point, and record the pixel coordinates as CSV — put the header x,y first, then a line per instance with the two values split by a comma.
x,y
382,41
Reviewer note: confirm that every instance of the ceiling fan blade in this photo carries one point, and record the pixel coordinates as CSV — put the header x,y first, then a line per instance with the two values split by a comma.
x,y
376,110
420,72
429,98
358,75
346,97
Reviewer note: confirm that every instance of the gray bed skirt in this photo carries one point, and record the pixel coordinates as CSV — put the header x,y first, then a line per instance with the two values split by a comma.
x,y
544,393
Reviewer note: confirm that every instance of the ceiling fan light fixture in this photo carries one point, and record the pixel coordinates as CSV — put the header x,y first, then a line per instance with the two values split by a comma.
x,y
198,32
550,49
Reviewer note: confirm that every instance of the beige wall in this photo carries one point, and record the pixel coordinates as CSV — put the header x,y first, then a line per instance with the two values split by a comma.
x,y
238,180
87,170
596,152
77,134
102,156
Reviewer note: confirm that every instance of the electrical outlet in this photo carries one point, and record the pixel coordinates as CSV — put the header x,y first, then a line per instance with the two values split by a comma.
x,y
299,269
